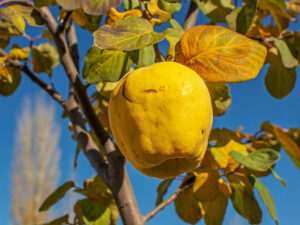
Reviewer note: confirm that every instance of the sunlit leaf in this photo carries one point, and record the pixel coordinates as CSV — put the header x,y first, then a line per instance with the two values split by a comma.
x,y
218,54
12,18
278,178
220,97
128,34
32,16
245,204
41,3
280,81
95,213
265,196
205,187
288,60
18,53
173,36
99,7
175,24
58,221
85,21
69,4
162,190
44,58
156,11
130,4
105,65
171,7
113,15
188,207
57,195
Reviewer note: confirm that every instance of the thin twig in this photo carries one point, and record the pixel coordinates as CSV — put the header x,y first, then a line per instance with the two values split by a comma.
x,y
165,203
191,16
157,53
142,6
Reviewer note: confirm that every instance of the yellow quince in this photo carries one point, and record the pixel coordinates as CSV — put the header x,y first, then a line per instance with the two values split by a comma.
x,y
161,117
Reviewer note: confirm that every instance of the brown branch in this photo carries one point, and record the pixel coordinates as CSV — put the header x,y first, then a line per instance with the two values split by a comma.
x,y
165,203
157,53
142,6
22,2
191,16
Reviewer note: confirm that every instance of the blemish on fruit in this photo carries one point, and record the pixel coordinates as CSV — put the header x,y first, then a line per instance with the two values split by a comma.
x,y
149,90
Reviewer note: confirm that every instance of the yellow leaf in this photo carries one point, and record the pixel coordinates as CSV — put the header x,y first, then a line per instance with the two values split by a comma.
x,y
206,186
157,12
113,15
188,207
18,53
214,210
222,154
218,54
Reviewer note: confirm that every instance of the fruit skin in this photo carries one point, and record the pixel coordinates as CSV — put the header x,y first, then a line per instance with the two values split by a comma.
x,y
161,117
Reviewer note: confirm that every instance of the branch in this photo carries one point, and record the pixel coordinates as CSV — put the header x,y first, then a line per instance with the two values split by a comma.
x,y
191,16
157,53
162,205
73,44
22,2
142,6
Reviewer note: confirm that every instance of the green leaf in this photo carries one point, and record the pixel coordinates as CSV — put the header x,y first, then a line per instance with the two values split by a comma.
x,y
105,65
246,17
95,213
162,190
143,57
279,80
173,36
231,18
46,34
171,7
69,4
131,4
12,18
128,34
85,21
265,196
7,29
260,160
288,60
59,221
220,97
216,10
57,195
4,40
278,178
44,58
41,3
99,7
245,204
10,78
32,16
175,24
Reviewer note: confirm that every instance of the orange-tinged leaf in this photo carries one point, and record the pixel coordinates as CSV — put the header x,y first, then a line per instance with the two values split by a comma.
x,y
113,15
188,207
206,186
214,211
218,54
157,12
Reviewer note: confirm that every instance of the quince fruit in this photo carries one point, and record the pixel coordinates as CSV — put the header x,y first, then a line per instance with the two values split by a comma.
x,y
161,117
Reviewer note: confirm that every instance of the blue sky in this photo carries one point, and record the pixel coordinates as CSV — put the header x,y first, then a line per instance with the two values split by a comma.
x,y
251,105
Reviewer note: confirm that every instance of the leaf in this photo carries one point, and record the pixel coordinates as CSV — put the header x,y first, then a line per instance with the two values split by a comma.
x,y
46,34
156,11
173,36
41,3
223,136
128,34
278,178
18,53
162,190
44,58
95,213
143,57
32,16
12,18
290,147
85,21
288,60
216,10
188,207
265,196
280,81
10,78
246,16
222,154
224,188
69,4
260,160
205,187
218,54
99,7
105,65
59,221
277,8
175,24
214,211
4,40
245,204
220,97
130,4
171,7
57,195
